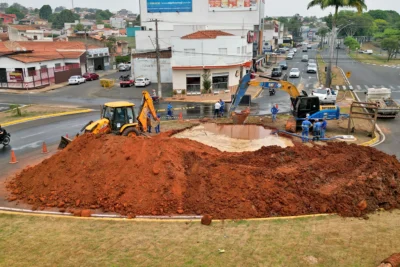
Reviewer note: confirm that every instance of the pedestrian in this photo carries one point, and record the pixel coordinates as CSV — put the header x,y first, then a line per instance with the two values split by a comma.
x,y
217,108
149,122
221,110
274,112
169,111
157,123
305,129
317,129
324,124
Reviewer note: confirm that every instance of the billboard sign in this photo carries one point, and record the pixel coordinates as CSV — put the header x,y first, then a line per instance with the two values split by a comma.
x,y
16,77
168,6
232,5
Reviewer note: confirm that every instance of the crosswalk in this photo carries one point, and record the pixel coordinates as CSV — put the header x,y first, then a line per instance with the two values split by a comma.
x,y
359,87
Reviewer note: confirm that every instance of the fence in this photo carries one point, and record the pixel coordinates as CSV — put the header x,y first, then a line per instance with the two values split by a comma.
x,y
33,79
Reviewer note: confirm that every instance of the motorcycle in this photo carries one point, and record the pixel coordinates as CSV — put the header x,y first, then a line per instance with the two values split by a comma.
x,y
155,99
5,139
271,91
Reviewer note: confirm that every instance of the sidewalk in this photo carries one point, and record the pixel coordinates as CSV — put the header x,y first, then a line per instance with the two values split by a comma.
x,y
50,87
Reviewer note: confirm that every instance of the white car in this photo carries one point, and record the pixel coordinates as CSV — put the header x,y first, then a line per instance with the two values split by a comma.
x,y
311,61
142,81
312,68
295,50
290,56
76,80
294,73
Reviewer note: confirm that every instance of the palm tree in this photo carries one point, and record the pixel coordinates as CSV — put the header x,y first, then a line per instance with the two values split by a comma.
x,y
358,4
322,32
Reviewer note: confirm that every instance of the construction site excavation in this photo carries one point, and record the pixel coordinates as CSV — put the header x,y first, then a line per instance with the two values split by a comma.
x,y
225,171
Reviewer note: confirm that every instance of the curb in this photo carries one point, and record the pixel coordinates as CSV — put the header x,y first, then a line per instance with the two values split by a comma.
x,y
47,116
258,93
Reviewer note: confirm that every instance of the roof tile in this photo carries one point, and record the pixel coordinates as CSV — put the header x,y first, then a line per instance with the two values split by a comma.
x,y
208,34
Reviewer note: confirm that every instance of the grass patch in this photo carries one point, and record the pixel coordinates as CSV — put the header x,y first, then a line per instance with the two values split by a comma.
x,y
337,76
16,112
131,41
332,241
373,59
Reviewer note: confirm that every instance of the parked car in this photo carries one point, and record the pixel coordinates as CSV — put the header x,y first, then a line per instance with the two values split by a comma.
x,y
305,49
90,76
295,50
326,95
369,52
311,61
290,56
276,72
304,58
309,47
312,68
294,73
126,81
283,65
124,67
142,81
77,79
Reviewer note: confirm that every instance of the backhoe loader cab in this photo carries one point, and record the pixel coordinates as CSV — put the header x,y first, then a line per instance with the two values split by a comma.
x,y
120,115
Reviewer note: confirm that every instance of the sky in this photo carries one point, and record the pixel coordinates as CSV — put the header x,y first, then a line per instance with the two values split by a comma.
x,y
273,7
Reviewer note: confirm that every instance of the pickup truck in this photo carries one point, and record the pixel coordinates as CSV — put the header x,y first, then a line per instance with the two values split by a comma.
x,y
326,95
387,107
126,81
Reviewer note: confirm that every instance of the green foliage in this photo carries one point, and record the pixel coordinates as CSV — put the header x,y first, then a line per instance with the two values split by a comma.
x,y
107,26
16,11
122,59
3,6
79,27
58,19
283,20
45,12
392,45
59,9
328,19
206,80
351,43
356,24
99,21
381,24
294,25
103,14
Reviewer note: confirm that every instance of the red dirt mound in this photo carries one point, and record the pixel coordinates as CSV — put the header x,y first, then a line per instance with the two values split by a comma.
x,y
166,176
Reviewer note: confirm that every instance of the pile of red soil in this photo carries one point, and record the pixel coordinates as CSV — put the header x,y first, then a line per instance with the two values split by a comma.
x,y
167,176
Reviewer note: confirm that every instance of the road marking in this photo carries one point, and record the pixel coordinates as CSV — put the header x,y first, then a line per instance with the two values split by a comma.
x,y
30,145
391,87
358,87
31,135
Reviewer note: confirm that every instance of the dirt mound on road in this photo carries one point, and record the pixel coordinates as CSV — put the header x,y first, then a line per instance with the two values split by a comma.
x,y
166,176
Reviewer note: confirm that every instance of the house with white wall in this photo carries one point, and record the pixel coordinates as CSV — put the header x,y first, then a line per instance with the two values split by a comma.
x,y
27,33
218,53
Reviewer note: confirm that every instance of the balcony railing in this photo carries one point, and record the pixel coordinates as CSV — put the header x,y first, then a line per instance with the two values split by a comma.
x,y
193,89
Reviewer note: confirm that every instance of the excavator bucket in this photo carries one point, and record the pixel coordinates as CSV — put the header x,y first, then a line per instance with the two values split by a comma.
x,y
64,142
291,125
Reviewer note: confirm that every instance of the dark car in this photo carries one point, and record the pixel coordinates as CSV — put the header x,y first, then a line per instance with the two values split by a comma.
x,y
283,65
90,76
305,49
276,72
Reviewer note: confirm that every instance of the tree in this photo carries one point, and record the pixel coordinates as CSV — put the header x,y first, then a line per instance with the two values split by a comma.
x,y
3,6
328,19
392,46
59,9
99,21
358,4
378,14
16,11
58,19
283,20
322,32
107,26
90,16
79,27
351,43
294,25
138,20
381,24
45,12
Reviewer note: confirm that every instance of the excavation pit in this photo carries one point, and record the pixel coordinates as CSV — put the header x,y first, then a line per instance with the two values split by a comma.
x,y
234,138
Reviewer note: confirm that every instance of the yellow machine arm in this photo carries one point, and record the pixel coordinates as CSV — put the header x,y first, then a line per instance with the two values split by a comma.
x,y
146,107
285,86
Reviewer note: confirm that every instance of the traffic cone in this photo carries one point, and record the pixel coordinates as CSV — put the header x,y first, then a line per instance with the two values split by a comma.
x,y
13,159
44,148
180,117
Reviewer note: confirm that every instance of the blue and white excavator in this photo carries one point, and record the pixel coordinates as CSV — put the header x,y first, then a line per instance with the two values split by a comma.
x,y
303,105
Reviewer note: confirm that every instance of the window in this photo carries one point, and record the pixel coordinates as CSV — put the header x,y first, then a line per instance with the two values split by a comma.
x,y
31,71
43,66
193,84
223,51
238,50
57,65
106,60
189,52
35,37
220,81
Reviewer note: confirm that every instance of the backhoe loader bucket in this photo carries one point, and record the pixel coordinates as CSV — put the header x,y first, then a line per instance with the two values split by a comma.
x,y
64,142
291,125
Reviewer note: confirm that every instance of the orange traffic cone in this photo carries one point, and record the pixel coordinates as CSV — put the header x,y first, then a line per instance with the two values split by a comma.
x,y
13,159
44,148
180,117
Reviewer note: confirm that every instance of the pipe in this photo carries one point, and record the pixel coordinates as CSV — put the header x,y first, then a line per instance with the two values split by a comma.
x,y
299,136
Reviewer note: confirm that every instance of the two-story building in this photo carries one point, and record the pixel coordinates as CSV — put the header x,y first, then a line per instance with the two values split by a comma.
x,y
26,33
213,53
7,18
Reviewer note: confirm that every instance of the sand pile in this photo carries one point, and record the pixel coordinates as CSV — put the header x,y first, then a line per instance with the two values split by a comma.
x,y
167,176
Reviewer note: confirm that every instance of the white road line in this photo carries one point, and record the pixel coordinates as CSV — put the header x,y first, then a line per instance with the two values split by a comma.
x,y
31,135
391,87
30,145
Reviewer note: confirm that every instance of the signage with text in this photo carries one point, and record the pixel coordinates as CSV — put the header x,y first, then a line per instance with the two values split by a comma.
x,y
232,5
168,6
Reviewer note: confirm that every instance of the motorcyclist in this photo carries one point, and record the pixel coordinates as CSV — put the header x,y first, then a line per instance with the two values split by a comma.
x,y
2,133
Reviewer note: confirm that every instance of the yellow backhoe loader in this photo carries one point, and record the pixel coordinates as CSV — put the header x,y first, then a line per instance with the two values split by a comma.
x,y
119,118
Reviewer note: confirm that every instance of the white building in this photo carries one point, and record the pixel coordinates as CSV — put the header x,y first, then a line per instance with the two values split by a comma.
x,y
221,54
179,18
117,22
26,33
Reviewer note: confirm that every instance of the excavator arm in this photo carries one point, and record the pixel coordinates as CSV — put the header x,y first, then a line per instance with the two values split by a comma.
x,y
146,107
281,85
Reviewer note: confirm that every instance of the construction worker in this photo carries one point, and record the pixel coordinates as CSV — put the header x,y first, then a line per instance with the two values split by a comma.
x,y
217,108
157,123
317,130
149,122
305,129
221,109
274,112
324,124
169,111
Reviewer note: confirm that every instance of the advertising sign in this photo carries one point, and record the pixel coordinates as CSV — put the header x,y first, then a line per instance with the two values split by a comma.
x,y
232,5
16,77
165,6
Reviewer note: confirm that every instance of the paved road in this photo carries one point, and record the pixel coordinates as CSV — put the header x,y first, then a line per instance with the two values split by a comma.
x,y
367,76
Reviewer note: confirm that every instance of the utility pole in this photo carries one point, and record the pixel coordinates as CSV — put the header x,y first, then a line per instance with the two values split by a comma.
x,y
86,51
158,62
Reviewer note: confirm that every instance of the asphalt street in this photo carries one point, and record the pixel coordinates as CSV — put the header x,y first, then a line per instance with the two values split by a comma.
x,y
365,76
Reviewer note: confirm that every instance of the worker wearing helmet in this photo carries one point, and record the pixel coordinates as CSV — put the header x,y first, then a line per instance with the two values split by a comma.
x,y
317,130
305,129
